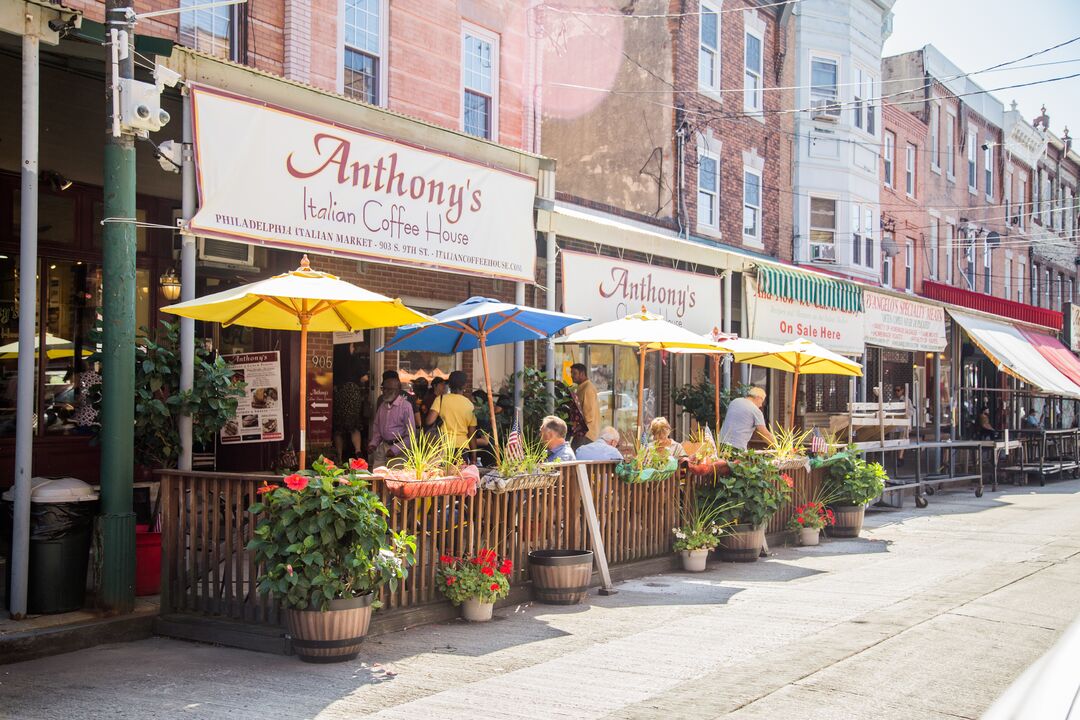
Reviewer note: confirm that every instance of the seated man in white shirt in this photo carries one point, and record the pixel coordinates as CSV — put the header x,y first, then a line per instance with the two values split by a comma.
x,y
604,447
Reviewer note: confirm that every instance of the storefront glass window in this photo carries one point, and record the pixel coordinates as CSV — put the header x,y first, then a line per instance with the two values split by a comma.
x,y
9,335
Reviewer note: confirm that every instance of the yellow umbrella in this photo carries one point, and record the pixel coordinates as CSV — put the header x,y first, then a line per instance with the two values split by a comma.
x,y
55,348
802,357
302,299
645,332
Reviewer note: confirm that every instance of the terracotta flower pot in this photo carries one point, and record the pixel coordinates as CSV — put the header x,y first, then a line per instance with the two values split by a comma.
x,y
474,610
743,545
809,536
694,560
849,521
334,635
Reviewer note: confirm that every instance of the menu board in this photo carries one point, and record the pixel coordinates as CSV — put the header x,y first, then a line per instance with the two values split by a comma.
x,y
258,412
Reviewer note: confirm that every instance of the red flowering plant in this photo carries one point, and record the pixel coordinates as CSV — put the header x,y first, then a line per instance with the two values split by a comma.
x,y
811,516
483,576
322,535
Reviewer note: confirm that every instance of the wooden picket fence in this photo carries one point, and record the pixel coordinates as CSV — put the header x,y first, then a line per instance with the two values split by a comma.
x,y
206,526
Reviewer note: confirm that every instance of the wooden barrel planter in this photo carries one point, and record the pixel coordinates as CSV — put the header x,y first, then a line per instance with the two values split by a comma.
x,y
334,635
743,545
849,520
560,577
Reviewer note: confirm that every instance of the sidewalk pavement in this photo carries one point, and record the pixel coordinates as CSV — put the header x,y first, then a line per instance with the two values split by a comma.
x,y
930,614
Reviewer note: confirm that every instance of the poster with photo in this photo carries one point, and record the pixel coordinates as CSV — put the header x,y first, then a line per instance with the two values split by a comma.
x,y
258,412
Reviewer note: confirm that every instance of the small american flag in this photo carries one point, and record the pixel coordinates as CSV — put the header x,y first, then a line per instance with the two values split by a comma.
x,y
644,437
709,436
818,446
514,449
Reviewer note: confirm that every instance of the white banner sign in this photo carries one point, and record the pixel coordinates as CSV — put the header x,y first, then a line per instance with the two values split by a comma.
x,y
901,324
258,411
279,178
1072,330
604,289
780,320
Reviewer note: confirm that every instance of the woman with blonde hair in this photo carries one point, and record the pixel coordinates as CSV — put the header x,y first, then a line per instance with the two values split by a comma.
x,y
660,434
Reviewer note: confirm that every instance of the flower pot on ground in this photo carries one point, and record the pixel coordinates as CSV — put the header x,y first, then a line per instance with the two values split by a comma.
x,y
809,519
809,536
849,521
560,577
850,484
751,492
694,560
701,527
474,582
323,547
742,543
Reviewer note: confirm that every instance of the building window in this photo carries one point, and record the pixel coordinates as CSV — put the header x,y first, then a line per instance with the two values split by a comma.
x,y
752,205
935,123
1008,277
988,258
1061,292
752,101
1035,297
1044,199
363,50
708,205
1048,284
822,229
709,48
1070,218
909,266
950,243
207,29
823,87
863,110
1022,203
886,263
950,147
889,157
856,234
972,161
868,240
909,171
934,247
1020,282
480,80
969,272
862,235
988,169
1007,193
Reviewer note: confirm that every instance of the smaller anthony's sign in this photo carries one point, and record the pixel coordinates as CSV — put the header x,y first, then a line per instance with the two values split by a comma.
x,y
320,400
258,411
903,324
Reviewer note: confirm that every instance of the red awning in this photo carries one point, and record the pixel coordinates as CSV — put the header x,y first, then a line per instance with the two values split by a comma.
x,y
1056,354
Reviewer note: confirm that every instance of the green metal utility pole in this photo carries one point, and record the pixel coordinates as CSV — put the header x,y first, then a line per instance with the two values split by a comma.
x,y
118,322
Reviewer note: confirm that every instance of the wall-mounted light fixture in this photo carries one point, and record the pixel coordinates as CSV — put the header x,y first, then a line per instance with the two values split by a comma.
x,y
170,285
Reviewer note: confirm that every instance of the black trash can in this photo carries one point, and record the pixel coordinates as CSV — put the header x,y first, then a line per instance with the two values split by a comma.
x,y
62,514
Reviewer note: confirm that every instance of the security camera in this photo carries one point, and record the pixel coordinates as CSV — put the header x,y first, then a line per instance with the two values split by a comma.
x,y
986,146
165,77
169,155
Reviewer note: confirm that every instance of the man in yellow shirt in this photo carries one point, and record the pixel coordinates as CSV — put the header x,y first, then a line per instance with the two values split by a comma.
x,y
588,400
456,411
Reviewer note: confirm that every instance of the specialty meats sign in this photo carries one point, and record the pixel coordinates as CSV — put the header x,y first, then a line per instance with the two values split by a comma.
x,y
274,177
901,324
606,288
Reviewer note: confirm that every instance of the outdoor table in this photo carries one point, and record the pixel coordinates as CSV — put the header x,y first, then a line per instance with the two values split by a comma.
x,y
925,485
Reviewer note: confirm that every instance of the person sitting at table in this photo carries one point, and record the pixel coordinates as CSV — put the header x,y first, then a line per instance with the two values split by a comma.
x,y
553,435
605,447
984,429
1032,421
660,434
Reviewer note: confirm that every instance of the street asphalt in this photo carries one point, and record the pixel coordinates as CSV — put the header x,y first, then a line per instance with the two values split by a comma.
x,y
930,614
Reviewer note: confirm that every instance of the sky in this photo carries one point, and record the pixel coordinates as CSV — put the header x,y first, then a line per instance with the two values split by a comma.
x,y
977,34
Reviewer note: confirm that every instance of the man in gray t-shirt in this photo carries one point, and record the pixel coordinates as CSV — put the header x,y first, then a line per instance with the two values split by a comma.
x,y
743,419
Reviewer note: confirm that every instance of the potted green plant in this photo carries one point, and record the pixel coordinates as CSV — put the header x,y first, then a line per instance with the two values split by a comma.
x,y
850,483
753,490
324,549
429,465
700,529
649,463
808,521
787,447
520,465
475,583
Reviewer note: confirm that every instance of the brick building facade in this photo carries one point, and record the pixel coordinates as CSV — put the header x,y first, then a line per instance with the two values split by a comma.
x,y
909,241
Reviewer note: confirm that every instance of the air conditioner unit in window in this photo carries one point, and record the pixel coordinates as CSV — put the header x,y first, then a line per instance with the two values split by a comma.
x,y
822,252
226,252
822,109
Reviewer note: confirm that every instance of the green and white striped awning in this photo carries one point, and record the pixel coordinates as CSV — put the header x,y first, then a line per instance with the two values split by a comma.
x,y
810,288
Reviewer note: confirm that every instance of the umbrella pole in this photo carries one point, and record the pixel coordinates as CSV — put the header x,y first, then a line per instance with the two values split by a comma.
x,y
794,396
490,397
716,395
641,389
303,391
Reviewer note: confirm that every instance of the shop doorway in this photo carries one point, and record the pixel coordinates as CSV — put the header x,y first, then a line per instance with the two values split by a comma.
x,y
353,401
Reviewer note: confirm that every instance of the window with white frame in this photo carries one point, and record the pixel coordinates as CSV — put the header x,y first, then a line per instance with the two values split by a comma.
x,y
1007,196
950,146
889,157
1044,199
364,50
751,205
1061,206
886,264
1048,282
969,271
480,82
709,47
1035,297
950,244
871,104
909,171
1008,278
988,169
1021,203
988,258
822,228
1070,207
972,160
1020,281
909,266
935,140
824,93
869,249
708,205
754,72
210,30
862,235
856,234
864,111
935,243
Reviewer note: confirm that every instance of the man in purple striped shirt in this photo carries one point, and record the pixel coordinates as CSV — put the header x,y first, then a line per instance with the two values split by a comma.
x,y
393,420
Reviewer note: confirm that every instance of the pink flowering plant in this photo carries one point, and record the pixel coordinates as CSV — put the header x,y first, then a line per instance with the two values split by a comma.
x,y
322,535
483,576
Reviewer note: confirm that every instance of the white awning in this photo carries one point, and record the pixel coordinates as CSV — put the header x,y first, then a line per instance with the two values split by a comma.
x,y
1012,353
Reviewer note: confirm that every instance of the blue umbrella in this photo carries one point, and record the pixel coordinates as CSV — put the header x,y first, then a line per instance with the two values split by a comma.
x,y
478,323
